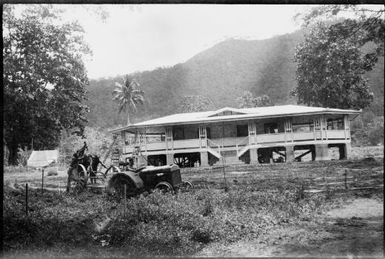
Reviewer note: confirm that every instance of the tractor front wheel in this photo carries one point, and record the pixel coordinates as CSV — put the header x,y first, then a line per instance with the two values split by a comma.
x,y
186,185
164,187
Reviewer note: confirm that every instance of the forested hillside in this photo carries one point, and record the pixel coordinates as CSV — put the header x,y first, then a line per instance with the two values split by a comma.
x,y
221,73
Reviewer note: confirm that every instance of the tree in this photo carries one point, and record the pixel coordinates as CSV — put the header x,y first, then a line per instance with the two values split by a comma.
x,y
247,100
376,131
128,96
44,78
332,60
195,103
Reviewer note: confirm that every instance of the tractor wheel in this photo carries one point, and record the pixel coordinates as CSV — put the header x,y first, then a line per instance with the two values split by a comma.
x,y
164,187
80,186
186,185
77,180
120,184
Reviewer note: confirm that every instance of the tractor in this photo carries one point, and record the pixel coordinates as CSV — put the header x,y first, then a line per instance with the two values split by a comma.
x,y
126,181
132,182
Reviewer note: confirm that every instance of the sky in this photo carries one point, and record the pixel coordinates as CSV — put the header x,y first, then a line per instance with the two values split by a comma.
x,y
144,37
135,38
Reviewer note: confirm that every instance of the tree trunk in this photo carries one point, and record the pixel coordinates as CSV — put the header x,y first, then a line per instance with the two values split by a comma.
x,y
12,159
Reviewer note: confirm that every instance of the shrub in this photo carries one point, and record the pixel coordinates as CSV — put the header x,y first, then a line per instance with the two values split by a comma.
x,y
368,129
23,155
376,133
300,192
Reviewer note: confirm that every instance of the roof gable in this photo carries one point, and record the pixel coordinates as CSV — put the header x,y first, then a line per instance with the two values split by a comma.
x,y
225,112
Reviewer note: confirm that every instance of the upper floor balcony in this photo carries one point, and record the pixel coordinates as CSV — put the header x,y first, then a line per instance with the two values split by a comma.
x,y
235,143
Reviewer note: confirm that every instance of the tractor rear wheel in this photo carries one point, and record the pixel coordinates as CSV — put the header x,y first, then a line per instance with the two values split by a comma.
x,y
77,180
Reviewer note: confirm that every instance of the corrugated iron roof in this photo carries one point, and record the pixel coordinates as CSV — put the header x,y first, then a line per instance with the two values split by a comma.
x,y
239,114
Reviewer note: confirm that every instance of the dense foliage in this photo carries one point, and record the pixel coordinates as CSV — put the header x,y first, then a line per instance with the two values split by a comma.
x,y
367,129
195,103
334,58
98,142
247,100
43,78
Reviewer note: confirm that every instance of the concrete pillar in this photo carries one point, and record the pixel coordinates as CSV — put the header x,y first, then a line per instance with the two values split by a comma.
x,y
321,152
170,159
313,153
289,153
204,159
348,149
253,156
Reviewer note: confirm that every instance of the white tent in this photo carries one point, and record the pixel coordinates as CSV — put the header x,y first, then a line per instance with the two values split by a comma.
x,y
43,158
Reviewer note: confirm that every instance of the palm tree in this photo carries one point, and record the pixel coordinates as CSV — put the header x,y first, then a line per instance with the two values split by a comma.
x,y
129,96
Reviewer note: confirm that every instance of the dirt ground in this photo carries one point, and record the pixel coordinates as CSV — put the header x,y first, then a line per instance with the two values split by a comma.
x,y
356,229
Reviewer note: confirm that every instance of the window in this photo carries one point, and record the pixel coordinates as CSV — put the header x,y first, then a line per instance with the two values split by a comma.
x,y
178,133
335,124
271,127
185,132
305,124
155,137
242,131
208,132
129,138
191,132
303,127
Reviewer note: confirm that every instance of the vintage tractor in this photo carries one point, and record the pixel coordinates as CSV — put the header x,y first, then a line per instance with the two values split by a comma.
x,y
133,182
127,181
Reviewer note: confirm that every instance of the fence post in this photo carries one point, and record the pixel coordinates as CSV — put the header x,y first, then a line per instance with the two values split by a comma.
x,y
42,180
224,173
125,199
26,199
346,176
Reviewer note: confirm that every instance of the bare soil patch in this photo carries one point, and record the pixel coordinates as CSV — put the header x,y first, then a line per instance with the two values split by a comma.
x,y
355,229
359,208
